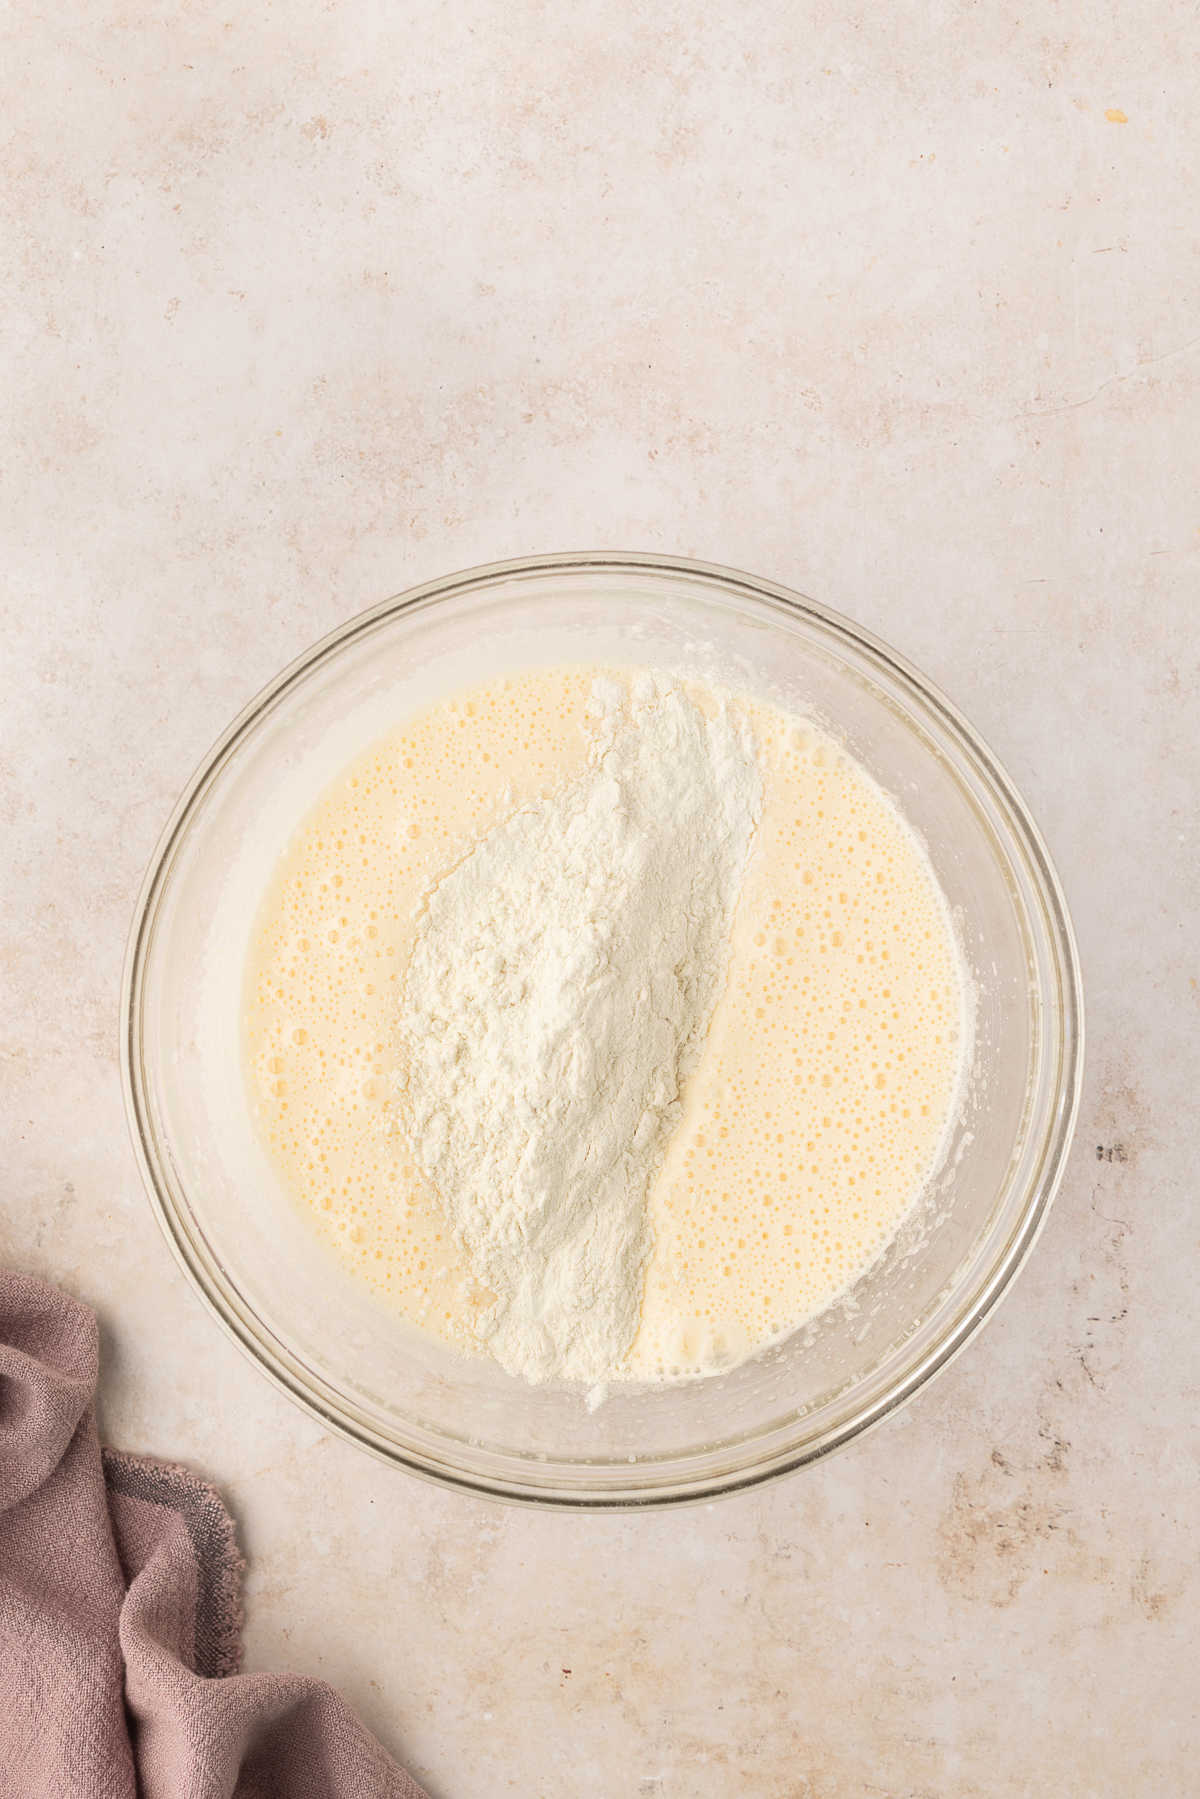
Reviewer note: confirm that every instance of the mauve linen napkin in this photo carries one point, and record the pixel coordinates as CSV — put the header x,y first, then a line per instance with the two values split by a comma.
x,y
120,1610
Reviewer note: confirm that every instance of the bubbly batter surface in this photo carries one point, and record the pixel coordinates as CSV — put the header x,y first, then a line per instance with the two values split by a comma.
x,y
830,1071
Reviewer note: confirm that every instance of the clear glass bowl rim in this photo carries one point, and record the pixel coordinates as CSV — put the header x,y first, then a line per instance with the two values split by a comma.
x,y
1054,1121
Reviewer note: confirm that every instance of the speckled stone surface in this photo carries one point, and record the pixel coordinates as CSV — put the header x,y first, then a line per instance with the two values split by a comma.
x,y
899,306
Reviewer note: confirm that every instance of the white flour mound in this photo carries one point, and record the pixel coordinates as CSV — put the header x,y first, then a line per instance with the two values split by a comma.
x,y
561,986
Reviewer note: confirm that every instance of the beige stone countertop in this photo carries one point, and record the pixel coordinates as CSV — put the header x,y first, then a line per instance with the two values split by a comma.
x,y
900,306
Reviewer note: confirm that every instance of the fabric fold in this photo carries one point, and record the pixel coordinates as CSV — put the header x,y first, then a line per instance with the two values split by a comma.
x,y
121,1610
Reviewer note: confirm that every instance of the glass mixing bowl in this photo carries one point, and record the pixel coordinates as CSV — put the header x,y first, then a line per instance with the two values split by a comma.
x,y
311,1327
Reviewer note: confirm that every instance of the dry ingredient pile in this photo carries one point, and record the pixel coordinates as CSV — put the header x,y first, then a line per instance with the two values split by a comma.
x,y
605,1024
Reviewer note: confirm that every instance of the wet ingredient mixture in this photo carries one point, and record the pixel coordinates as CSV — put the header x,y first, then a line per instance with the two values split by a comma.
x,y
715,1084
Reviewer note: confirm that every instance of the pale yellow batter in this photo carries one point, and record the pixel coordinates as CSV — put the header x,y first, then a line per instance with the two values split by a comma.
x,y
830,1071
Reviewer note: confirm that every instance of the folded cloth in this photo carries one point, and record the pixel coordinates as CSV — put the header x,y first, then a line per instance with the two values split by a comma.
x,y
121,1610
